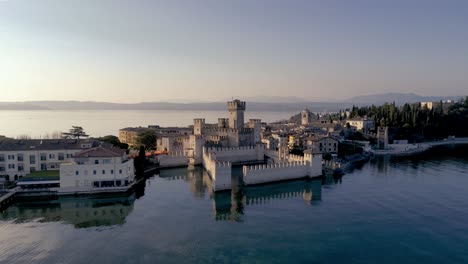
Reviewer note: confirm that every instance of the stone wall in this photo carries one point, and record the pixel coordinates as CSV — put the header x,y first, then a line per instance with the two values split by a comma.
x,y
238,154
258,174
310,165
173,159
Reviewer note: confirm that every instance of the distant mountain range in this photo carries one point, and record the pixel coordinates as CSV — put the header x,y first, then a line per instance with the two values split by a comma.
x,y
279,104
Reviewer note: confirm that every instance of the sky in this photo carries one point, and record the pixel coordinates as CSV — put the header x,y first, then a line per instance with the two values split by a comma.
x,y
204,50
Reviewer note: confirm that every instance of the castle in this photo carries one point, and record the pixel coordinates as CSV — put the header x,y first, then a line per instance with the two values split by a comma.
x,y
231,141
227,133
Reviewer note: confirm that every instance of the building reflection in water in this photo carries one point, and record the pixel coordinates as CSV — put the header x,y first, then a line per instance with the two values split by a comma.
x,y
81,212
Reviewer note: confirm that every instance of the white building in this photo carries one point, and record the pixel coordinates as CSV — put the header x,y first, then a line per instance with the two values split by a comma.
x,y
361,124
96,168
21,157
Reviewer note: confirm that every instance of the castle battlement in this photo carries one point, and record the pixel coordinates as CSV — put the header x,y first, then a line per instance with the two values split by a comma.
x,y
236,105
273,166
176,154
217,149
293,157
223,164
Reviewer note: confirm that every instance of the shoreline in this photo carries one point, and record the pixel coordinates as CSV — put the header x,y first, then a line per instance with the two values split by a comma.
x,y
411,149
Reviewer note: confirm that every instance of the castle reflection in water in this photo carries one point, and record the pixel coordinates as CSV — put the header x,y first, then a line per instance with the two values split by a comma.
x,y
230,205
85,212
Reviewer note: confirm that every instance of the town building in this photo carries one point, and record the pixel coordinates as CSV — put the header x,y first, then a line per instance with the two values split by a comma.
x,y
319,144
21,157
361,124
97,168
130,135
172,143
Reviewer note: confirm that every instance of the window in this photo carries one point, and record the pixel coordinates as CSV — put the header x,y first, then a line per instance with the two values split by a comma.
x,y
32,169
20,168
120,171
106,161
11,166
2,157
103,171
96,162
51,156
43,166
20,157
43,157
2,168
11,157
94,172
77,173
61,156
32,159
112,171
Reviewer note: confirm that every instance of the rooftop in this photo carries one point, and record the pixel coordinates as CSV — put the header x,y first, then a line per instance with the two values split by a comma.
x,y
101,152
45,144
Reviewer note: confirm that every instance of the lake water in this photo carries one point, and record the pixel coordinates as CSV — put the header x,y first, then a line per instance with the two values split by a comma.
x,y
390,210
98,123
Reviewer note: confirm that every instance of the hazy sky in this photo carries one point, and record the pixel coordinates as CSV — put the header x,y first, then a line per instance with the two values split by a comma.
x,y
132,51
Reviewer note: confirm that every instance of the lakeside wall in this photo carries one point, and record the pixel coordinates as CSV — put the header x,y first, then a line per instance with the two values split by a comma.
x,y
173,160
309,165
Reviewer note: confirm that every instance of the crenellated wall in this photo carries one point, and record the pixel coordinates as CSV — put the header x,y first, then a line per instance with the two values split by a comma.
x,y
220,172
293,157
239,154
173,159
296,167
257,174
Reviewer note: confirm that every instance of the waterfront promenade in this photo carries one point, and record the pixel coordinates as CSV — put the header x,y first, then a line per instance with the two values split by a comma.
x,y
410,149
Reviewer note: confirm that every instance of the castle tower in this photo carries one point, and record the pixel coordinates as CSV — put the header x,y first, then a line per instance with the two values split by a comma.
x,y
236,110
283,148
222,122
305,117
382,137
256,125
198,124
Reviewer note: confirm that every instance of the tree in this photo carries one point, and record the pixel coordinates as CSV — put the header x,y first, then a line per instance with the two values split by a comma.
x,y
139,162
147,139
115,141
75,132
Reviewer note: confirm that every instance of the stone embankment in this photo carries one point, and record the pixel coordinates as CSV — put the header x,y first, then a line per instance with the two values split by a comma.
x,y
410,149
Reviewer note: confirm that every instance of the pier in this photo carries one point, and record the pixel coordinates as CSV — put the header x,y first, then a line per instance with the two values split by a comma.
x,y
7,199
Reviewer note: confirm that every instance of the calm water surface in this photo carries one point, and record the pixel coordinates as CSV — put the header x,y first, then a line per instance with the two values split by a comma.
x,y
108,122
393,210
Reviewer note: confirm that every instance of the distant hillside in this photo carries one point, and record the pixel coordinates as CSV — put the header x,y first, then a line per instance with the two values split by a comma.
x,y
214,106
398,98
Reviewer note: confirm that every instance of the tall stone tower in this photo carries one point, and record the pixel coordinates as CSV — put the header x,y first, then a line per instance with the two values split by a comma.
x,y
256,125
198,124
382,137
236,110
305,117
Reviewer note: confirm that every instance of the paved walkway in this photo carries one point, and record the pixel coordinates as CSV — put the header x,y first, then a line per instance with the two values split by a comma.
x,y
409,149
